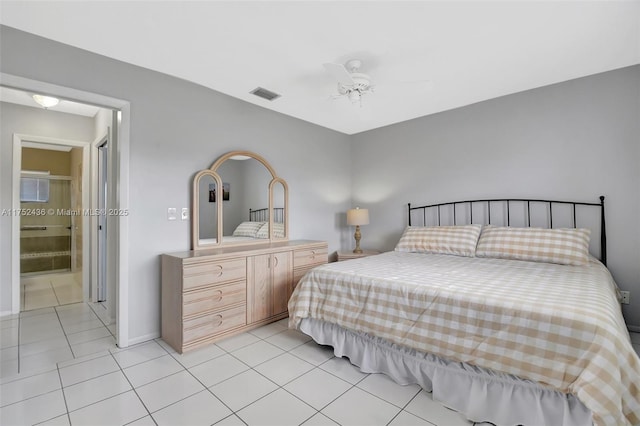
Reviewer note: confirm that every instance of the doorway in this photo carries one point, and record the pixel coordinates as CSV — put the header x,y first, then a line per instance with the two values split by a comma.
x,y
119,268
51,250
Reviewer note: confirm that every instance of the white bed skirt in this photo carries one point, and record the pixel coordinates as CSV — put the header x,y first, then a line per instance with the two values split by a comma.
x,y
479,394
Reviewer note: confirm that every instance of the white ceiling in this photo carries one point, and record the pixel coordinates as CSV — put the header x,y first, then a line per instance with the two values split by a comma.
x,y
23,98
470,51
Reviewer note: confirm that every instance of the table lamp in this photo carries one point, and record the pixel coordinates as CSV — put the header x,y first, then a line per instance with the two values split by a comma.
x,y
357,217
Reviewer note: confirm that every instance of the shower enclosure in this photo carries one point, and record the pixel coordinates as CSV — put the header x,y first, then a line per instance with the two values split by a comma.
x,y
46,223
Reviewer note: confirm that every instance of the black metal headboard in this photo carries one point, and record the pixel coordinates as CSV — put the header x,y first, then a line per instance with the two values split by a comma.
x,y
469,205
262,215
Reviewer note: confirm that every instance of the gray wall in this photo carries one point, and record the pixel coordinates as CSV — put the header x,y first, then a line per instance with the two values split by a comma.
x,y
36,122
575,140
178,128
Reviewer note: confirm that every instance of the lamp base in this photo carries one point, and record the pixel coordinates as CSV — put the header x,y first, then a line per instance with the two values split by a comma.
x,y
357,236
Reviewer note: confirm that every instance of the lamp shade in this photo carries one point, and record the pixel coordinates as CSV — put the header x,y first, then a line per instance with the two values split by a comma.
x,y
358,216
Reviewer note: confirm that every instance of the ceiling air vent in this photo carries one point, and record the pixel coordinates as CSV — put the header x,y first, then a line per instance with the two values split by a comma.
x,y
264,93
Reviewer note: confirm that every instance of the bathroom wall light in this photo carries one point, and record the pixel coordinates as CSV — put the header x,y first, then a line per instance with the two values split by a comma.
x,y
46,101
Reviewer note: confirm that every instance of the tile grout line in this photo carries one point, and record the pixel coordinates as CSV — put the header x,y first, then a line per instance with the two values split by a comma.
x,y
206,388
405,406
53,289
267,378
65,334
234,412
227,352
64,397
99,317
130,384
106,374
175,402
230,415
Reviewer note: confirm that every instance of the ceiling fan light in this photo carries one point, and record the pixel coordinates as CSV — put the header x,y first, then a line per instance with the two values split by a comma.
x,y
46,101
354,96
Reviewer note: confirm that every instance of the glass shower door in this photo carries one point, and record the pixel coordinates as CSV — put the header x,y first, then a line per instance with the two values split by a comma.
x,y
46,226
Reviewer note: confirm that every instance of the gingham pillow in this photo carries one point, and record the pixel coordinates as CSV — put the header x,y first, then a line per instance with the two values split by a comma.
x,y
565,246
248,229
456,240
278,230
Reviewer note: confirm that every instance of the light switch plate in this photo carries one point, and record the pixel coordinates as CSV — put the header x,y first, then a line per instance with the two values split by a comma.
x,y
171,213
185,213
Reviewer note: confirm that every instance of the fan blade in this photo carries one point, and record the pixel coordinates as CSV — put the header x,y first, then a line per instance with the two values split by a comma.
x,y
340,73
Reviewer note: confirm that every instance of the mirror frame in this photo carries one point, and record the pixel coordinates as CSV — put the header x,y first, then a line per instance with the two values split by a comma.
x,y
213,172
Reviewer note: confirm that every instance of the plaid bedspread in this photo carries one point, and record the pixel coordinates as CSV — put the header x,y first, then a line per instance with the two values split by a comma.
x,y
558,325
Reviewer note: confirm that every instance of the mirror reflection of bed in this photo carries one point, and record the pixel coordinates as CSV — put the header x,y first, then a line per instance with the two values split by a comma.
x,y
257,227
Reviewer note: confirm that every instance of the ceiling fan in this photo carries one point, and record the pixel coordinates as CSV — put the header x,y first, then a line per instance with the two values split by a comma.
x,y
351,83
354,84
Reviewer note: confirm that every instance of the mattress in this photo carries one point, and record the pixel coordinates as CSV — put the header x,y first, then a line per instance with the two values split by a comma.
x,y
560,326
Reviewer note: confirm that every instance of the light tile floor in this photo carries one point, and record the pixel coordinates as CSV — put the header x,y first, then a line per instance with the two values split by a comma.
x,y
296,382
34,341
46,290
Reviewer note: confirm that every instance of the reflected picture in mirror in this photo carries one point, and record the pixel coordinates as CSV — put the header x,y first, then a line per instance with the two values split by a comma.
x,y
226,190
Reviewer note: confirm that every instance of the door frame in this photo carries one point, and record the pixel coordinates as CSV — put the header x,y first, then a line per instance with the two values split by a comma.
x,y
95,220
18,140
121,182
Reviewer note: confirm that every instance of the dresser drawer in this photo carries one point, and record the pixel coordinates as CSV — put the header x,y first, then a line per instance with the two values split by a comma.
x,y
307,257
211,324
210,298
207,273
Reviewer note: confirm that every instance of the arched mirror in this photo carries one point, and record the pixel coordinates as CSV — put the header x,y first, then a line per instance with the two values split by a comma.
x,y
239,200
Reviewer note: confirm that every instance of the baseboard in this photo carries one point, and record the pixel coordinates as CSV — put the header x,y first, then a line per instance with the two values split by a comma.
x,y
634,328
142,339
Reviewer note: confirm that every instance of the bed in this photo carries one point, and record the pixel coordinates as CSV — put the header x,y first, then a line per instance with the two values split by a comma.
x,y
493,338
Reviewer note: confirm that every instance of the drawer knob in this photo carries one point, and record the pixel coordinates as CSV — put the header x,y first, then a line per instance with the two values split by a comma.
x,y
219,295
218,319
219,271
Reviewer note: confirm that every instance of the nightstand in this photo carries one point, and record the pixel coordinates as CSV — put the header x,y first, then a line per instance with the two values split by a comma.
x,y
349,254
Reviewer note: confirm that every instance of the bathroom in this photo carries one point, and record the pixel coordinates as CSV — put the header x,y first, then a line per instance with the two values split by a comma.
x,y
50,226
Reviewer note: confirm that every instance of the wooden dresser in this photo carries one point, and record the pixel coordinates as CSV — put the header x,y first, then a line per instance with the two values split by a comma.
x,y
208,295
